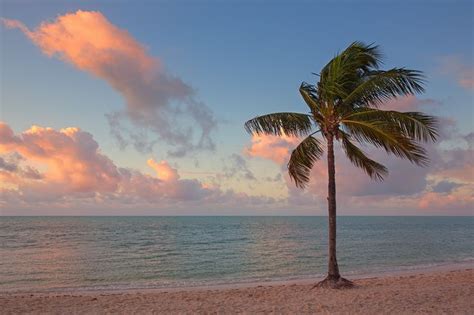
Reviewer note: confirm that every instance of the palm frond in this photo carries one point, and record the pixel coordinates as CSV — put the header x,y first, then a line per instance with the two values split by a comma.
x,y
386,135
309,93
375,170
291,124
414,125
357,56
302,160
380,86
344,104
343,73
367,56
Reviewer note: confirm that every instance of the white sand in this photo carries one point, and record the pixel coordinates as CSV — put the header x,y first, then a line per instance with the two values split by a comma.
x,y
429,293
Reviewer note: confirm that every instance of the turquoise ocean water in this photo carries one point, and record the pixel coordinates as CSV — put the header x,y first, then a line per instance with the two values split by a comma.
x,y
93,253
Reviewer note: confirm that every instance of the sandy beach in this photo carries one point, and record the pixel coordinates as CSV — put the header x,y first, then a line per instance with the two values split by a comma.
x,y
447,292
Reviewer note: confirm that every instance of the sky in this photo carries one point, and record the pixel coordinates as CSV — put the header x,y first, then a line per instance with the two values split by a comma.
x,y
138,107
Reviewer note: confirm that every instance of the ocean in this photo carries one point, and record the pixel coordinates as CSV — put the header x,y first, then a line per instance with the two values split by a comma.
x,y
107,253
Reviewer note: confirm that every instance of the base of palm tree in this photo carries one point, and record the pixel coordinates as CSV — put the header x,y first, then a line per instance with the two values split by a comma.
x,y
331,282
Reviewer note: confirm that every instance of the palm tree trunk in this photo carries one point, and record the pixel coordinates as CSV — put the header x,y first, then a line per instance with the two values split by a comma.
x,y
333,268
334,279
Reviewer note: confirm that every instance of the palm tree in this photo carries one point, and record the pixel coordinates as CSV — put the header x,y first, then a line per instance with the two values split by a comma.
x,y
344,107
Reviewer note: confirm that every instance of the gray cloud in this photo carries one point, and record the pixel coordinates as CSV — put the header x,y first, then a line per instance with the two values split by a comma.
x,y
445,186
235,166
276,178
7,166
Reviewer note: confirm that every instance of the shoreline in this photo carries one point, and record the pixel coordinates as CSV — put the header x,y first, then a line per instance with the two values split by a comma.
x,y
298,280
428,292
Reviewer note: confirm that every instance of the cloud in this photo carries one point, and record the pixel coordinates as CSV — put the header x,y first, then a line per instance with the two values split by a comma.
x,y
409,103
157,102
456,163
458,68
7,166
235,166
276,178
407,187
71,156
271,147
445,186
453,202
76,172
404,179
163,170
11,172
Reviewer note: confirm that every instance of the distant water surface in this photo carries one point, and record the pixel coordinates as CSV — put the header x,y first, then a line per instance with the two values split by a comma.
x,y
67,253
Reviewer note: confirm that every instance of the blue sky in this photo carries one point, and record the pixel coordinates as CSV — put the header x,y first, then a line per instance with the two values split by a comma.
x,y
243,58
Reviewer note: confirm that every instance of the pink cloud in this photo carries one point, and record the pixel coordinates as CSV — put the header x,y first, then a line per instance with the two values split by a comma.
x,y
16,24
463,73
408,103
407,188
88,41
72,157
163,170
403,179
274,148
155,99
458,200
75,171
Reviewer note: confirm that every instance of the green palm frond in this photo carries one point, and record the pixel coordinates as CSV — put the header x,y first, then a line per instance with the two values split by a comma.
x,y
366,56
309,94
415,125
386,135
345,70
375,170
291,124
380,86
302,160
357,57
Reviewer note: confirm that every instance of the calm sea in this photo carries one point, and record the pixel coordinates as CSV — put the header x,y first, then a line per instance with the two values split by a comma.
x,y
67,253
